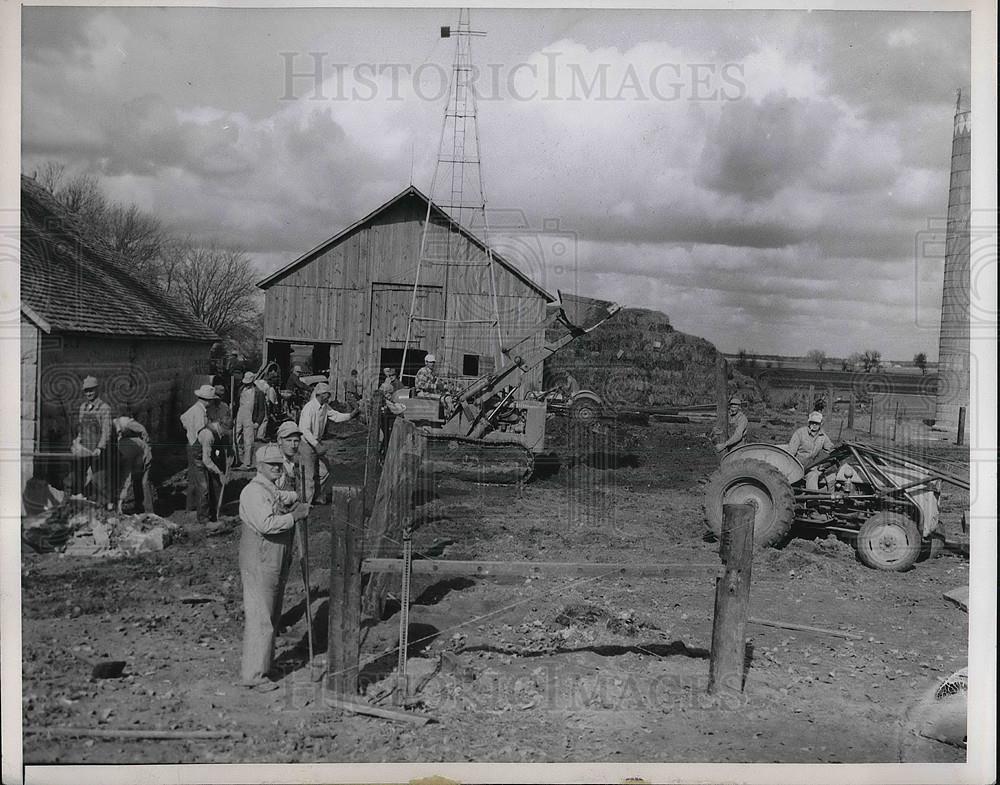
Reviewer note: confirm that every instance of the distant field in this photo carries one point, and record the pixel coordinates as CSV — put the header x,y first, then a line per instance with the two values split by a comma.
x,y
897,381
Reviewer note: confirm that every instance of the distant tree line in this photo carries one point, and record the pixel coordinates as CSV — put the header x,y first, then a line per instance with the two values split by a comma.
x,y
217,283
868,361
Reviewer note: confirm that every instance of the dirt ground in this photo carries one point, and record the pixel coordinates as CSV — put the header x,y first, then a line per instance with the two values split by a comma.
x,y
539,670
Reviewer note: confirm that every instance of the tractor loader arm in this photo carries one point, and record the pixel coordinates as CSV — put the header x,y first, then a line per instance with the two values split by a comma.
x,y
580,315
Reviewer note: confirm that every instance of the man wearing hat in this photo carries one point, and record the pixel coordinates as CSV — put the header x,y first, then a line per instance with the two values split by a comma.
x,y
251,409
195,420
807,444
738,425
289,438
91,442
313,420
268,515
426,382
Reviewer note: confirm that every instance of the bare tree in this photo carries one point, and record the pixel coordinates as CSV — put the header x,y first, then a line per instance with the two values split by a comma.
x,y
817,356
920,361
218,285
872,360
137,236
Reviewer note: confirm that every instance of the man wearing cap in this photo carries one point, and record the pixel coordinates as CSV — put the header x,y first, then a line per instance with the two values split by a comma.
x,y
224,451
738,425
807,444
135,459
390,385
194,420
251,409
426,383
90,444
315,416
289,438
268,515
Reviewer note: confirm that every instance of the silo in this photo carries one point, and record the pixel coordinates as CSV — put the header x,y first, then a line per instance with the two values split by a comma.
x,y
953,344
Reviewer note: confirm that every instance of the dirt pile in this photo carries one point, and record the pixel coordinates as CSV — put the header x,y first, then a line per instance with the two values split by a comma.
x,y
637,358
803,556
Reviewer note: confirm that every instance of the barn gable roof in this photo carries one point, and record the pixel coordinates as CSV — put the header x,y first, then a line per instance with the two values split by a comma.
x,y
76,283
308,256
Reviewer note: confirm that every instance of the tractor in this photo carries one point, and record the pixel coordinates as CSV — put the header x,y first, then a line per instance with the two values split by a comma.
x,y
883,501
484,431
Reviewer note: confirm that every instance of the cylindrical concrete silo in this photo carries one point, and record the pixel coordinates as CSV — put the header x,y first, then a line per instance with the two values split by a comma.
x,y
953,344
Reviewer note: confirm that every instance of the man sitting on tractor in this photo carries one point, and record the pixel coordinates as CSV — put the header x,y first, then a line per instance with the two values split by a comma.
x,y
807,444
426,383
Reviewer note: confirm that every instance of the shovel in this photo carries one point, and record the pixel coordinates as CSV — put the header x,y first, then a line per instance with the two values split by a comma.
x,y
302,540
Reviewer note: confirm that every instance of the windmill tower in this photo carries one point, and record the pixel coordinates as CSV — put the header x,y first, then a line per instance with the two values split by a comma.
x,y
953,343
457,189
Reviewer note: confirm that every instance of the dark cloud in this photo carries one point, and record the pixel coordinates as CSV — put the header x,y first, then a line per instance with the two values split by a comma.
x,y
756,149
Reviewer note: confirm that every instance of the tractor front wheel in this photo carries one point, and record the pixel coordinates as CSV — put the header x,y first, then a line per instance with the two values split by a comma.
x,y
888,541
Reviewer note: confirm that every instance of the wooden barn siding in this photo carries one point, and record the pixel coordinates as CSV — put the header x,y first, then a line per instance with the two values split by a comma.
x,y
330,298
150,380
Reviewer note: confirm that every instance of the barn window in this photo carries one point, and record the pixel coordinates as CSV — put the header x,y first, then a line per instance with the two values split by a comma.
x,y
470,365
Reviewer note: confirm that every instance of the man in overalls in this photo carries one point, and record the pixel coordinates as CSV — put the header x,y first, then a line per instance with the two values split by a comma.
x,y
194,420
91,444
268,515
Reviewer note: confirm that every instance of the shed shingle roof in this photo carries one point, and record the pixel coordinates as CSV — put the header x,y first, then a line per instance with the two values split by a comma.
x,y
78,284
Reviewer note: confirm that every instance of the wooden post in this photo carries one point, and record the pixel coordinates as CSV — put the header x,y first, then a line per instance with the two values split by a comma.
x,y
895,421
850,411
960,438
871,418
372,453
722,397
344,637
732,600
830,398
810,398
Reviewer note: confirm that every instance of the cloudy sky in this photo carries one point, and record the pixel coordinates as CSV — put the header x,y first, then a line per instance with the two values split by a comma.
x,y
770,180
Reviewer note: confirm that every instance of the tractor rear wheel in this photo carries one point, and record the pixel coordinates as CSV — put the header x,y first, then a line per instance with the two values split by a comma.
x,y
761,486
888,541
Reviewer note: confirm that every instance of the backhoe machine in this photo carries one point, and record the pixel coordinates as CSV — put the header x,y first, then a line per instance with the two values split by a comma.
x,y
486,432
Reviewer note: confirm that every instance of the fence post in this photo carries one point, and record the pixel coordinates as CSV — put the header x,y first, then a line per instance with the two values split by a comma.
x,y
871,419
960,439
830,398
372,452
895,421
721,397
811,397
732,600
344,630
850,411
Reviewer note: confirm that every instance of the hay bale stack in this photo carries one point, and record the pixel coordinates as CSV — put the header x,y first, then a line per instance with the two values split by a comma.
x,y
637,359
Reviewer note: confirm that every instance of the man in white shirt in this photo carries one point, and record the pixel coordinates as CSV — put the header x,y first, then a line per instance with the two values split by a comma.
x,y
268,515
316,415
194,420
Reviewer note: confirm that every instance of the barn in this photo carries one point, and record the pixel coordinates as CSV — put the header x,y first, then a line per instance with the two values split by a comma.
x,y
345,304
84,312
